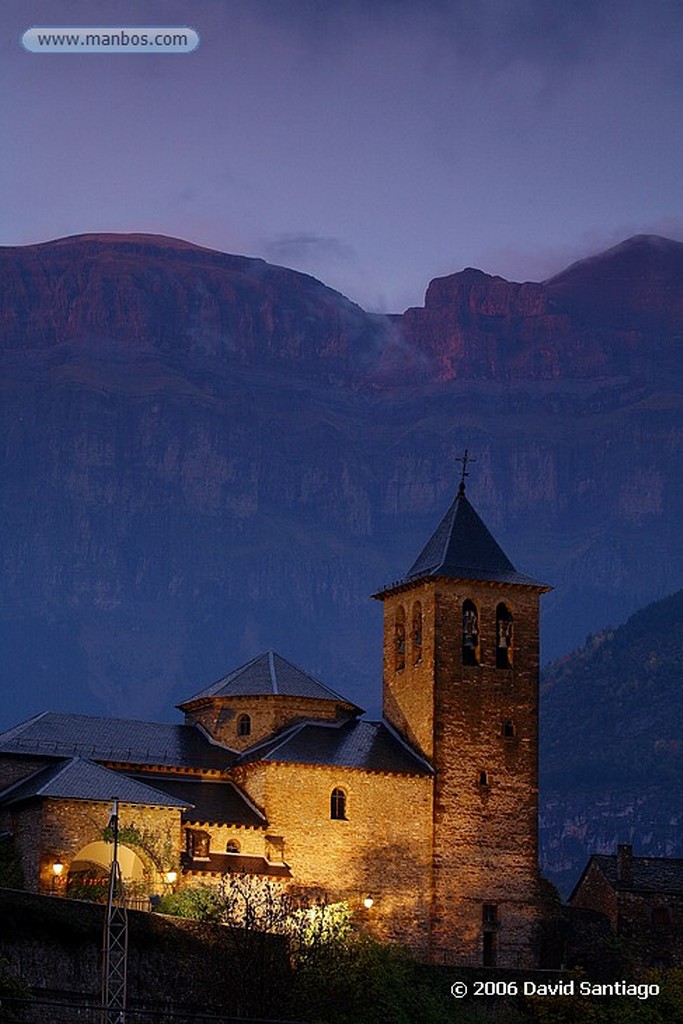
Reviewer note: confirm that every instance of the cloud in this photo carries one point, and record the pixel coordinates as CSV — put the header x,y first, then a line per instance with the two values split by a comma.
x,y
480,44
308,250
480,30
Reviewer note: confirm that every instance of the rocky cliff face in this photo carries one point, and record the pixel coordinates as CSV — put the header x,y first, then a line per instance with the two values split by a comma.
x,y
612,315
123,297
205,455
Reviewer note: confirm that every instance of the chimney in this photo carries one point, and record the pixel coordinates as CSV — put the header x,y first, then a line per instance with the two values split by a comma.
x,y
625,864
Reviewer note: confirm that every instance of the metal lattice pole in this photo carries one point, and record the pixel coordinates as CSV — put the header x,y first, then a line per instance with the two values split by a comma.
x,y
115,958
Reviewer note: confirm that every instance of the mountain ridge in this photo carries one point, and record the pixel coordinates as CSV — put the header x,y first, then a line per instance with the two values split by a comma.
x,y
178,424
611,744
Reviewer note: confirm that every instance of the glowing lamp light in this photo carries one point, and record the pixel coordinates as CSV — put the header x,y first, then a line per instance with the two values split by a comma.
x,y
57,869
367,902
171,877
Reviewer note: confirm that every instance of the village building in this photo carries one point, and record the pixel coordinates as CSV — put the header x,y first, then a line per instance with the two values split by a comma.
x,y
425,822
642,898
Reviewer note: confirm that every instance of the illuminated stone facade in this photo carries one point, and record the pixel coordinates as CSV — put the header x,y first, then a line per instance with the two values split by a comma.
x,y
431,814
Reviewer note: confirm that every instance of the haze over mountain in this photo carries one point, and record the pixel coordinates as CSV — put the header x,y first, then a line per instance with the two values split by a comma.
x,y
206,456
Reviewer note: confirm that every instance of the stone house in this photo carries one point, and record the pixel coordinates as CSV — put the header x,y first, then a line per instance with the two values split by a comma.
x,y
425,822
642,897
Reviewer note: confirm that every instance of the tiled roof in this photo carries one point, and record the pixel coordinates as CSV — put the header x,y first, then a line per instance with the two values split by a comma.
x,y
56,734
371,746
461,547
76,779
266,675
215,803
652,874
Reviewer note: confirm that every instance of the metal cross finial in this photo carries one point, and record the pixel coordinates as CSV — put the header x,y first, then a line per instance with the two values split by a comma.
x,y
465,460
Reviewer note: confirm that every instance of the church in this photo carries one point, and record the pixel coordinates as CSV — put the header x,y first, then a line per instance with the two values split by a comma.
x,y
426,822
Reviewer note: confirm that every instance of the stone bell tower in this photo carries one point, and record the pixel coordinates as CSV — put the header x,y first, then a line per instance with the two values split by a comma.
x,y
461,685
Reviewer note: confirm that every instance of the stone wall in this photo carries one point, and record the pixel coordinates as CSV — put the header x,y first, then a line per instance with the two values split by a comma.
x,y
55,944
649,924
409,692
486,788
26,826
381,849
14,767
478,724
268,713
595,893
56,830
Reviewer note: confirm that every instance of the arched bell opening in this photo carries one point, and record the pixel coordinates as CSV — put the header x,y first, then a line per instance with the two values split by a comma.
x,y
471,647
504,637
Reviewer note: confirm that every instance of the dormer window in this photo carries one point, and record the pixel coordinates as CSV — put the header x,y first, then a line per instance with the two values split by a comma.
x,y
244,725
471,652
504,637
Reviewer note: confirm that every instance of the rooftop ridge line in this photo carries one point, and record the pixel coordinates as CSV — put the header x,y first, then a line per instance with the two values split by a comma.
x,y
60,771
397,736
271,666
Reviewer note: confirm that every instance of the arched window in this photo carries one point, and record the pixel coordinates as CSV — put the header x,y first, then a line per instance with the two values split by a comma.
x,y
244,725
232,846
417,633
483,779
508,729
504,637
470,633
400,639
338,805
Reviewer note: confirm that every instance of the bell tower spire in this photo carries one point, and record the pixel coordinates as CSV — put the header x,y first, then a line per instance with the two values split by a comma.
x,y
461,685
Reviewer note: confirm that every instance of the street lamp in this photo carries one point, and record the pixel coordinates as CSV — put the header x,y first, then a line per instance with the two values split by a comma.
x,y
57,869
367,902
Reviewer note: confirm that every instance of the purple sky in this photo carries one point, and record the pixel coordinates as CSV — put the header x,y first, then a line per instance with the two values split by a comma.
x,y
373,143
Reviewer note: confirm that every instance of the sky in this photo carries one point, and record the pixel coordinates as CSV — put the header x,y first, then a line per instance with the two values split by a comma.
x,y
375,144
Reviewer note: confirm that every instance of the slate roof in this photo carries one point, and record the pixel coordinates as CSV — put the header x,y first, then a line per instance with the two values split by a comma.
x,y
650,874
77,779
371,746
208,802
266,675
56,734
462,547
